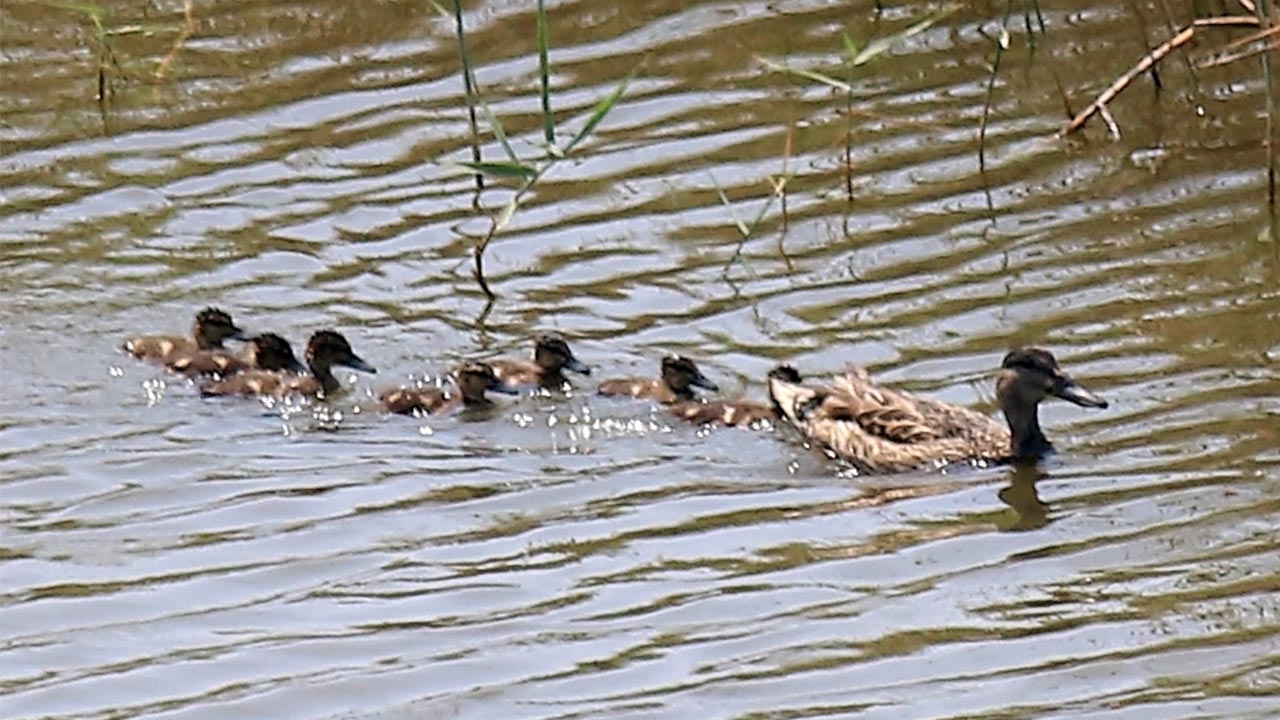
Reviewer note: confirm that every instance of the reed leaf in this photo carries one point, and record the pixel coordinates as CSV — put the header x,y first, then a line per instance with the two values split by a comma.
x,y
497,168
601,110
500,133
880,45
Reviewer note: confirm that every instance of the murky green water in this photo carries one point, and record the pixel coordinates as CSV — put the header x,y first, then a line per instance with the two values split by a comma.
x,y
168,556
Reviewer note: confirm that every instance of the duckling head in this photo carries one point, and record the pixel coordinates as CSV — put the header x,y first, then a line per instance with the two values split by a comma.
x,y
272,352
212,326
552,353
327,348
681,375
474,379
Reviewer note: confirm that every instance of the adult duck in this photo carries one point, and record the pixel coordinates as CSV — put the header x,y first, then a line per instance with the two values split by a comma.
x,y
880,430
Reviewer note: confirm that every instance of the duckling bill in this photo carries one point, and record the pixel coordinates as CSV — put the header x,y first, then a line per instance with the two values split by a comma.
x,y
473,380
880,430
212,326
679,377
325,349
551,357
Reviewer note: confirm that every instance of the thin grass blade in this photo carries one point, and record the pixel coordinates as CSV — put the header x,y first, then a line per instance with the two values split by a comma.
x,y
500,132
879,45
724,199
508,212
602,109
807,74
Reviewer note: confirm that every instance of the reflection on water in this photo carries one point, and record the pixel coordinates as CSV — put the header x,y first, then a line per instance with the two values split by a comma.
x,y
573,556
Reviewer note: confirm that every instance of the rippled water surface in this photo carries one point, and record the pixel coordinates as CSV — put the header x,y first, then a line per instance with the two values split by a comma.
x,y
164,555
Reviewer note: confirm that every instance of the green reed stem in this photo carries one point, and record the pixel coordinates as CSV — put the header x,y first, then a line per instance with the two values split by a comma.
x,y
468,83
544,70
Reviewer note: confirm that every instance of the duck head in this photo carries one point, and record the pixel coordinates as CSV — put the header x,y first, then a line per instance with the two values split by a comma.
x,y
1027,376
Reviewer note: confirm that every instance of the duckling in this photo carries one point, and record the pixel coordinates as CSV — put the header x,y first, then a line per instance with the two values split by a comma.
x,y
268,351
740,413
211,327
325,349
551,357
880,430
679,376
473,380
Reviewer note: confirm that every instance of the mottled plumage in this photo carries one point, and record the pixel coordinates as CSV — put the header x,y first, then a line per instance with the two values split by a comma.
x,y
881,430
325,349
679,376
472,380
211,327
551,357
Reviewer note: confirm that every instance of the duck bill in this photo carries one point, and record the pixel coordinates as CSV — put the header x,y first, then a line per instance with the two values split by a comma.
x,y
295,365
576,365
355,363
238,333
1074,392
701,381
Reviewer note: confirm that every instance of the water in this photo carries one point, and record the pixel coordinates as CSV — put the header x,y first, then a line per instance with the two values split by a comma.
x,y
170,556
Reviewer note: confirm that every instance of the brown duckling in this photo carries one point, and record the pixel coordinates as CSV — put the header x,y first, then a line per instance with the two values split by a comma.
x,y
730,413
325,349
472,379
551,357
211,327
679,376
268,351
881,430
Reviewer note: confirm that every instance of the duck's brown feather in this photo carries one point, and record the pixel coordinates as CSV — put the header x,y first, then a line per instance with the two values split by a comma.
x,y
641,388
208,362
880,430
161,348
428,400
265,382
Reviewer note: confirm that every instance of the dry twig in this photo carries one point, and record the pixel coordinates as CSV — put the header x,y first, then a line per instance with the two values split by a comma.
x,y
1184,36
